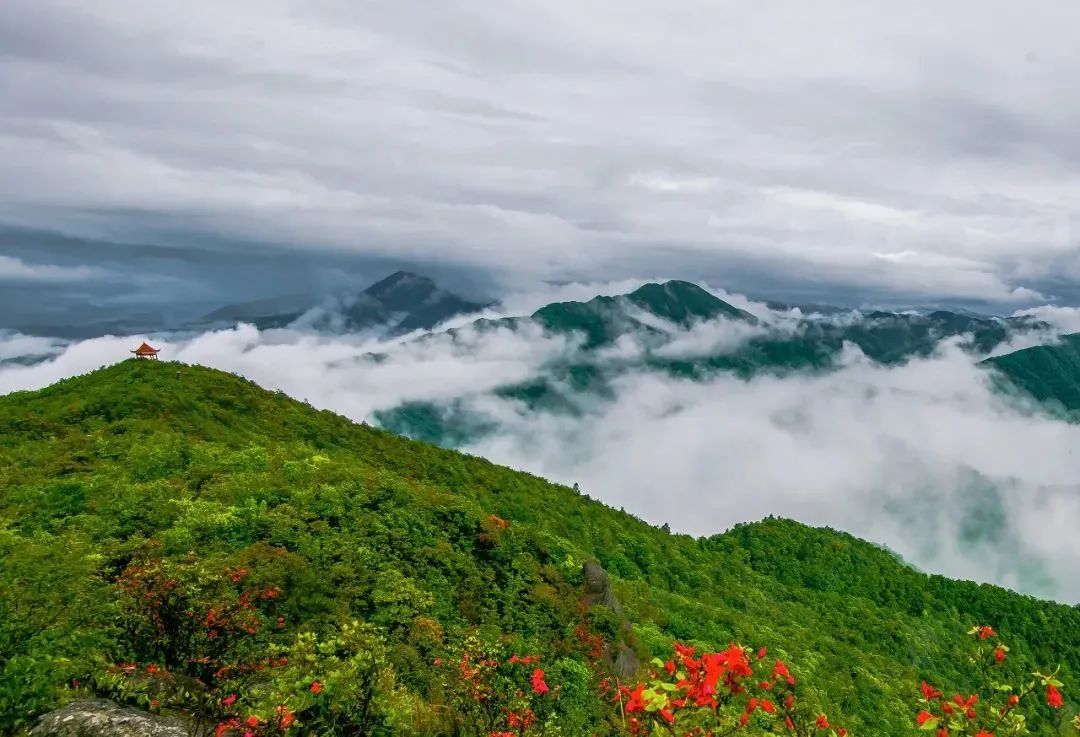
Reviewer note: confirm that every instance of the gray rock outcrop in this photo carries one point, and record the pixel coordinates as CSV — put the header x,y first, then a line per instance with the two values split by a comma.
x,y
103,718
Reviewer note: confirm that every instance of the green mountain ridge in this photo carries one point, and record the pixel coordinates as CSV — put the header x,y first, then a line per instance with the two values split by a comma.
x,y
180,463
653,316
1048,373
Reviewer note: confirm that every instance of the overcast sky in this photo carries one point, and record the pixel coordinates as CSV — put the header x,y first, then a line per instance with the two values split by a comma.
x,y
905,152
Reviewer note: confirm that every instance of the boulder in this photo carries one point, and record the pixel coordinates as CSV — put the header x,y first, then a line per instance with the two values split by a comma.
x,y
103,718
598,587
620,656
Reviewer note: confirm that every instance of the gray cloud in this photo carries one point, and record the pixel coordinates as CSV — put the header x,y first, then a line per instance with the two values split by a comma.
x,y
835,148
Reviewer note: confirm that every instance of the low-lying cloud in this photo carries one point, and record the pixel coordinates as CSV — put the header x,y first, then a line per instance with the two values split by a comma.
x,y
925,458
16,270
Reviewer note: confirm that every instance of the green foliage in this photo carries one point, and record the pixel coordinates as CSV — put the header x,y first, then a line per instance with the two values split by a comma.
x,y
1049,373
190,475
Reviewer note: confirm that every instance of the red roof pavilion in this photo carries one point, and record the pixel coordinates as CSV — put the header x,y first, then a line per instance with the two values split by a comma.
x,y
146,351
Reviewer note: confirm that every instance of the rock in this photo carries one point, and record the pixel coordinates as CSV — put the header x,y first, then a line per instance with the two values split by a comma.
x,y
626,661
619,655
598,587
103,718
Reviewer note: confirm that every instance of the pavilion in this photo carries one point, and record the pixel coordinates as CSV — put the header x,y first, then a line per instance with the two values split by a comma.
x,y
147,352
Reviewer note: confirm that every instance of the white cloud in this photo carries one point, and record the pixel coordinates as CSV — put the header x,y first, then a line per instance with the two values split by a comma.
x,y
847,207
17,346
13,269
1064,319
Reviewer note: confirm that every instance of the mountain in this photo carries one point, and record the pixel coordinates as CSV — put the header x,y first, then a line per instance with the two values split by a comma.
x,y
399,304
682,330
180,520
1049,373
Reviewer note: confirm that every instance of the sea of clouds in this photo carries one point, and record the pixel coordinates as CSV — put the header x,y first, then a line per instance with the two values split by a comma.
x,y
925,458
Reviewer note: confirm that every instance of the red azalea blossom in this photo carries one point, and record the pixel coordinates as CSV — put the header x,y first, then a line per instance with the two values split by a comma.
x,y
929,692
229,700
923,717
999,655
822,722
985,632
538,684
315,687
285,715
780,670
252,720
1053,697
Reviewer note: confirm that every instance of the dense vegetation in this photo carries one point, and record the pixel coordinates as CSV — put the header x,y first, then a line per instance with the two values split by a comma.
x,y
161,517
1049,373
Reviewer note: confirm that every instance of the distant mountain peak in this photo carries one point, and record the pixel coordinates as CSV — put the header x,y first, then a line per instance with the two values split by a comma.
x,y
683,302
399,303
400,280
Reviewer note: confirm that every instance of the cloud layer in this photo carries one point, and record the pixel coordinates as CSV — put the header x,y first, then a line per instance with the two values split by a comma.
x,y
924,458
834,147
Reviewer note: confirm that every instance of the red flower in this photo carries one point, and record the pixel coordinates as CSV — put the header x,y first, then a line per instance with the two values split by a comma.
x,y
225,727
822,722
923,717
229,700
252,720
1013,700
985,632
285,715
781,671
636,701
1053,697
667,715
999,655
538,684
315,687
761,653
929,692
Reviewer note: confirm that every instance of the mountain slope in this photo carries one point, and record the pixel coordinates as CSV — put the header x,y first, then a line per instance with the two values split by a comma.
x,y
201,470
1049,373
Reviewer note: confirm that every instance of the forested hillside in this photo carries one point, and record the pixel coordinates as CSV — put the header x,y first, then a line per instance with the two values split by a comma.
x,y
162,517
1049,373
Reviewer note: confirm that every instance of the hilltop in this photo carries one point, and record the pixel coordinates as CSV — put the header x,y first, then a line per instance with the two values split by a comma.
x,y
146,466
